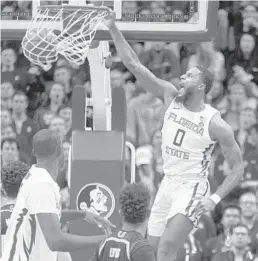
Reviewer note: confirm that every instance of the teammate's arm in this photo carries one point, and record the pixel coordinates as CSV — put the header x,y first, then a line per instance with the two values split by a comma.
x,y
69,215
223,133
156,86
60,241
43,204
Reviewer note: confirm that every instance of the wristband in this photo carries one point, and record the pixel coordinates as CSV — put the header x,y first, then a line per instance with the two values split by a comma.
x,y
215,198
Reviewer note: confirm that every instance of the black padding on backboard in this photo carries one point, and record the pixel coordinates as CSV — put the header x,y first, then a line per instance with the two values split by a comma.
x,y
119,110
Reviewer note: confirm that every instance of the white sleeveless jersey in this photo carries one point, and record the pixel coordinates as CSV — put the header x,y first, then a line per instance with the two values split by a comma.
x,y
186,143
24,238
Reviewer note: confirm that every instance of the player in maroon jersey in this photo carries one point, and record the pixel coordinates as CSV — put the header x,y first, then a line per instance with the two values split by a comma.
x,y
11,178
129,243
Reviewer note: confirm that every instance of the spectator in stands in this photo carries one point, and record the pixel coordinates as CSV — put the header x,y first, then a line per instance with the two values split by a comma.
x,y
22,124
251,158
248,204
7,9
130,90
57,124
35,90
25,7
117,79
62,74
144,163
239,246
11,152
246,120
144,117
10,73
244,57
54,102
24,147
231,215
66,114
6,118
209,58
7,92
144,14
157,158
162,62
237,97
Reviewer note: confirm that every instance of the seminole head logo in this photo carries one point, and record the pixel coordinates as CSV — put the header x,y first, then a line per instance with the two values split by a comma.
x,y
97,198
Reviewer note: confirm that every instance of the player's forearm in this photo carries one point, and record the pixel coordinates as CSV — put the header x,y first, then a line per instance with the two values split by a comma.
x,y
70,243
124,50
69,215
231,181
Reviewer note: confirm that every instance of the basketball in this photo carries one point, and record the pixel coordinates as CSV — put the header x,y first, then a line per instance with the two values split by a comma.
x,y
40,45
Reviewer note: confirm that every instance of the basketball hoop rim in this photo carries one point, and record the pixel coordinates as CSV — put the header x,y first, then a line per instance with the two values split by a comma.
x,y
69,8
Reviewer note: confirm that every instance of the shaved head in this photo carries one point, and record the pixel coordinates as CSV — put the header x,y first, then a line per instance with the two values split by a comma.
x,y
46,143
207,78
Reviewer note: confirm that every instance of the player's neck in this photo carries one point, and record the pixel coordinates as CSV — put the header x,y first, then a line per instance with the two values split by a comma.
x,y
138,228
194,103
48,167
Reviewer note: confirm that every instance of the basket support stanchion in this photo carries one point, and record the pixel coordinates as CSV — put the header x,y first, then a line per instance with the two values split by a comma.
x,y
133,157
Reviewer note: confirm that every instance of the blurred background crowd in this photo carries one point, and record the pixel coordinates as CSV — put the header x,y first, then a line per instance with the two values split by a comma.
x,y
32,99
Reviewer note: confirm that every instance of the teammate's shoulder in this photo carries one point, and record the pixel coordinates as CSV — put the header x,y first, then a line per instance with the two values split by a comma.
x,y
142,250
218,127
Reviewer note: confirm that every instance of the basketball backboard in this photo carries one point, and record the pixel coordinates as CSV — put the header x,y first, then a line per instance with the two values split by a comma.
x,y
179,21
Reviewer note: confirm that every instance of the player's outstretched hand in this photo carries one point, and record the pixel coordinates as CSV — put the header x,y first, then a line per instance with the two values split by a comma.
x,y
204,205
101,222
110,19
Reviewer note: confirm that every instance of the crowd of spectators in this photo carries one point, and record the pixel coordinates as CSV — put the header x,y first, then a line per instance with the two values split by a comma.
x,y
32,99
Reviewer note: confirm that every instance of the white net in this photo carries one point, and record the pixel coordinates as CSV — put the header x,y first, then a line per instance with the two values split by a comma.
x,y
67,33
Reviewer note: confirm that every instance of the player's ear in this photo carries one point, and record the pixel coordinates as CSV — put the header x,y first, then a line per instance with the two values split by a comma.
x,y
202,87
120,212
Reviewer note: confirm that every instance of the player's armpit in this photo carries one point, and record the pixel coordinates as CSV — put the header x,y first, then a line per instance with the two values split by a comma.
x,y
143,253
158,87
223,133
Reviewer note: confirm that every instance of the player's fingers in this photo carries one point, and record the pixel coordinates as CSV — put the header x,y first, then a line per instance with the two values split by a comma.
x,y
198,198
111,224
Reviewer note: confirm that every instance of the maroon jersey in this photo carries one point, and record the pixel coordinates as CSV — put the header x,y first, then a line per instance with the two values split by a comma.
x,y
124,246
6,212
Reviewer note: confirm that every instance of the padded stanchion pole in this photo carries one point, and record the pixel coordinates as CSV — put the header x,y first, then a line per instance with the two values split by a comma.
x,y
97,175
78,113
119,109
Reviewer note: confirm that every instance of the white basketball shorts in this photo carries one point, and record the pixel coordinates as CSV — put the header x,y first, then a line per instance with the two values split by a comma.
x,y
176,196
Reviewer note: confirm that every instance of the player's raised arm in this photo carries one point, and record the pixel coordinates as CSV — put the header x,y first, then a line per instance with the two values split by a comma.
x,y
223,133
151,83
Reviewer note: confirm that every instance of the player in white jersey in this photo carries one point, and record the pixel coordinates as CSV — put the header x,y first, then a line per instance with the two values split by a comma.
x,y
189,133
34,231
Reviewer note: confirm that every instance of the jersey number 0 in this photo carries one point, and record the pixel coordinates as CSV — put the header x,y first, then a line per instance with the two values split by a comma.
x,y
178,140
